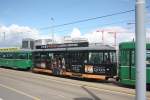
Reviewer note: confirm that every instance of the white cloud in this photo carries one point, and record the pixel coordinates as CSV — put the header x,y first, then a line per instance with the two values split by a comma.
x,y
75,33
15,33
12,35
95,36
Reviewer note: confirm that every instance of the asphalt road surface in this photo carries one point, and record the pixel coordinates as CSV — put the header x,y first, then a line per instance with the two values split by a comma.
x,y
20,85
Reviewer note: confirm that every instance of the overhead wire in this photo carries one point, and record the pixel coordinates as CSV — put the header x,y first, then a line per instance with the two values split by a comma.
x,y
94,18
84,20
84,28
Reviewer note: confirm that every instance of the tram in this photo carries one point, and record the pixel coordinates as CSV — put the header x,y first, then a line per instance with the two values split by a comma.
x,y
127,68
83,60
15,58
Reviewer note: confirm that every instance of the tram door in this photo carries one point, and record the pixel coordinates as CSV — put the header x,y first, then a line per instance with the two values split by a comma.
x,y
132,64
39,59
133,67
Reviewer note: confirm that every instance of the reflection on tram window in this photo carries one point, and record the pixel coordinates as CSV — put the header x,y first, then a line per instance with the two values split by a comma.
x,y
148,58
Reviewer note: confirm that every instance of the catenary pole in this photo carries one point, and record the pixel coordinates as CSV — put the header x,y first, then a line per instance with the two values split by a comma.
x,y
4,36
140,50
53,39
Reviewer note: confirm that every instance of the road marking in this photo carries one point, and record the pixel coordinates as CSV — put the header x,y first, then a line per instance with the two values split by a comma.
x,y
20,92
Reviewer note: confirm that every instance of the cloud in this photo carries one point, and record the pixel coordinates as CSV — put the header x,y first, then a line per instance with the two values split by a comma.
x,y
75,33
122,34
12,35
15,33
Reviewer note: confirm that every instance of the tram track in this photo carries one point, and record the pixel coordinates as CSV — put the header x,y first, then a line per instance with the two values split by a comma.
x,y
96,86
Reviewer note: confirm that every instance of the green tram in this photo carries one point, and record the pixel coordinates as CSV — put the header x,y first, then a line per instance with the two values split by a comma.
x,y
16,59
81,60
127,68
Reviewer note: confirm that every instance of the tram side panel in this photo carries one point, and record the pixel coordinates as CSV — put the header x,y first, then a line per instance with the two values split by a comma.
x,y
16,60
127,68
90,65
82,64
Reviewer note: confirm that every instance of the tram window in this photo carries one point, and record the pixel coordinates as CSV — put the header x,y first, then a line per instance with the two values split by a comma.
x,y
133,57
50,55
30,56
43,57
4,55
122,57
148,58
113,57
125,54
83,56
36,56
1,55
9,55
106,57
76,57
22,56
96,58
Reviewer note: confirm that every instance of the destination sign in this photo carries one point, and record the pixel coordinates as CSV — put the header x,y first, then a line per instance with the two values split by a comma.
x,y
65,45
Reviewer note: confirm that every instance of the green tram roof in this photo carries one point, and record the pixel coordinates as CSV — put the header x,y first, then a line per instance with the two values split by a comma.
x,y
91,47
18,51
130,45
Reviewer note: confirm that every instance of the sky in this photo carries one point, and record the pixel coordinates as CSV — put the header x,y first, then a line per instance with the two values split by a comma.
x,y
30,18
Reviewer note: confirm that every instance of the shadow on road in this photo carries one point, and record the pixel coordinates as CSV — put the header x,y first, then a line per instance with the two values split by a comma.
x,y
90,93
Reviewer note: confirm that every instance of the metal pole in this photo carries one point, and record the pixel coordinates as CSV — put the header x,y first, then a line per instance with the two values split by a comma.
x,y
115,41
4,35
52,19
140,50
102,36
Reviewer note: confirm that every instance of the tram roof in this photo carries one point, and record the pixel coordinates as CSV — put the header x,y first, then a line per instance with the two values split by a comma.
x,y
130,45
19,50
91,47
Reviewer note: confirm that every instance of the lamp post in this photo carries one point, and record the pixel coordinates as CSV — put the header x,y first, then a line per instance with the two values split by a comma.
x,y
102,36
140,50
52,29
4,35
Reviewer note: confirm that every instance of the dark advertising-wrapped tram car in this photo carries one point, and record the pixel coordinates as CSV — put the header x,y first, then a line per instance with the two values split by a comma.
x,y
84,60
